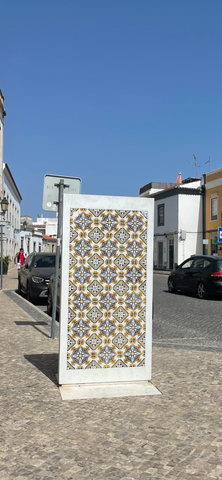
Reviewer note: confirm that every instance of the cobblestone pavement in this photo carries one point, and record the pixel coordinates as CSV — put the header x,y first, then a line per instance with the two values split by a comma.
x,y
185,321
176,435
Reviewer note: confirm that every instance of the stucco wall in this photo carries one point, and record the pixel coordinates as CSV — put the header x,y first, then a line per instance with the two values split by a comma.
x,y
182,213
190,221
11,244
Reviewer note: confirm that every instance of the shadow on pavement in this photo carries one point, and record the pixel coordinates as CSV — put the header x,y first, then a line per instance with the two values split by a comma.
x,y
34,324
193,295
47,363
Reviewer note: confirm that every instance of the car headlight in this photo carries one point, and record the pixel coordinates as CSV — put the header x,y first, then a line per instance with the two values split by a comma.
x,y
37,279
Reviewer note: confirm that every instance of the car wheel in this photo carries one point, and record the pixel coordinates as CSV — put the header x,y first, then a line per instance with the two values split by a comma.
x,y
201,291
171,288
49,304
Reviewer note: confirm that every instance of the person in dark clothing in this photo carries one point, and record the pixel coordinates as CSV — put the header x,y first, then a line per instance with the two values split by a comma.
x,y
19,259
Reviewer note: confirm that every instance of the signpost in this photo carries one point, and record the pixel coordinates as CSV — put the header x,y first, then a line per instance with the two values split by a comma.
x,y
220,234
50,190
52,202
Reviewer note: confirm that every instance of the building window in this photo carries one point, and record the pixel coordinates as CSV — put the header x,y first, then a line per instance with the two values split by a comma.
x,y
52,248
22,242
28,246
48,249
160,215
214,208
39,247
34,246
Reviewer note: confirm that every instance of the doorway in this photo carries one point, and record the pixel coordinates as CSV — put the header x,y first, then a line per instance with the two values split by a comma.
x,y
160,255
171,253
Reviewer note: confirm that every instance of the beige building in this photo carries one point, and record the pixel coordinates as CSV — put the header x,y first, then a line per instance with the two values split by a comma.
x,y
213,210
49,243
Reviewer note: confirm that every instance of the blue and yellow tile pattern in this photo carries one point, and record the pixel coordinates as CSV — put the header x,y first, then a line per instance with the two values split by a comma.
x,y
107,289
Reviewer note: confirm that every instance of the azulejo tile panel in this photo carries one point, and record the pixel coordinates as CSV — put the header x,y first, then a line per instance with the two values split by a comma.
x,y
107,289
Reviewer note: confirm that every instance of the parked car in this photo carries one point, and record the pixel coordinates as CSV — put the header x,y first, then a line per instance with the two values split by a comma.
x,y
33,277
199,274
50,293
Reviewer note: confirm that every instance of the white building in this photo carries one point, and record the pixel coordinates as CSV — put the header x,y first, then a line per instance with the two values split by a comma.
x,y
178,231
48,226
2,115
34,238
10,191
11,242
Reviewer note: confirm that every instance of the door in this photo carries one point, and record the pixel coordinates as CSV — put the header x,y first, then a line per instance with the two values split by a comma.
x,y
171,254
214,247
183,275
160,255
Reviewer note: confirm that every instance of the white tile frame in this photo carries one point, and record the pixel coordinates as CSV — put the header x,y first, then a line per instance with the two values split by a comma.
x,y
106,375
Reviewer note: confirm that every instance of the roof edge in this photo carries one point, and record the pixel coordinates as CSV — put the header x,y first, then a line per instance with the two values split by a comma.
x,y
5,165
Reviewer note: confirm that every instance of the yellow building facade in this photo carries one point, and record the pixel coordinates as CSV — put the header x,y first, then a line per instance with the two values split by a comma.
x,y
213,211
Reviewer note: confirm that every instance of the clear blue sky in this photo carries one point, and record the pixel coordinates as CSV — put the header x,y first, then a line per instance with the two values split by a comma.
x,y
117,92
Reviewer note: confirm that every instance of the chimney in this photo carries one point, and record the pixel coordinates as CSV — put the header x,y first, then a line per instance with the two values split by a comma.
x,y
179,179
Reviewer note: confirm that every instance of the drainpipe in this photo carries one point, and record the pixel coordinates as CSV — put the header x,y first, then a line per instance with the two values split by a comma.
x,y
204,210
177,262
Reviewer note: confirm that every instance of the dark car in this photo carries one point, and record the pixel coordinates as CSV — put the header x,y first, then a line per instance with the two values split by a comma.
x,y
34,276
199,274
50,293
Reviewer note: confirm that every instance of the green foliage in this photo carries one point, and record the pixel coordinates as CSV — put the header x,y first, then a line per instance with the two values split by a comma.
x,y
5,261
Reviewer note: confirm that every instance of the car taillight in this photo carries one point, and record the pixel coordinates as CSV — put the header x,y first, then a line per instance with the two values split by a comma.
x,y
216,274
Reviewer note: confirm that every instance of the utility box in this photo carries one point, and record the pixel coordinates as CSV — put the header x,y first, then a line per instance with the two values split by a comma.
x,y
106,290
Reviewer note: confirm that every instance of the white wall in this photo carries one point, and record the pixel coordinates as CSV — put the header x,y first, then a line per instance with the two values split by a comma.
x,y
195,184
181,212
170,226
1,143
11,244
190,220
30,242
48,226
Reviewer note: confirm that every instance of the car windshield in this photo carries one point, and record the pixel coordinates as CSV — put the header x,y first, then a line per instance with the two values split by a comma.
x,y
219,264
45,262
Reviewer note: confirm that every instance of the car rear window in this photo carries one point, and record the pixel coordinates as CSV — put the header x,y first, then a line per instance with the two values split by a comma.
x,y
207,263
45,262
219,264
198,263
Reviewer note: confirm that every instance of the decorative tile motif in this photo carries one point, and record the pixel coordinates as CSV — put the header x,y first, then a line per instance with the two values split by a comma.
x,y
107,289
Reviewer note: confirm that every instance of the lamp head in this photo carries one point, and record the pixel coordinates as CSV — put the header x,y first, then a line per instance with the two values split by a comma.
x,y
4,205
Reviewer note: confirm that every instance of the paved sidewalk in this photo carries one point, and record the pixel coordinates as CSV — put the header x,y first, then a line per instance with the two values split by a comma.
x,y
176,435
161,272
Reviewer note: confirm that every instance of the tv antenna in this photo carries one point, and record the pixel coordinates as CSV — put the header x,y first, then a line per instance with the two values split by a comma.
x,y
195,164
208,161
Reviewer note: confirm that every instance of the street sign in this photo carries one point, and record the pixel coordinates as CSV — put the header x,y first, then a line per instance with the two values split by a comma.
x,y
5,223
205,241
6,229
51,192
220,234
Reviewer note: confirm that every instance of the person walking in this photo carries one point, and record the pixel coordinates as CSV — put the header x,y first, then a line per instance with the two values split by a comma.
x,y
19,259
22,257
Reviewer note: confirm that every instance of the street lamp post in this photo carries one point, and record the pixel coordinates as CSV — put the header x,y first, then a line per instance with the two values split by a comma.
x,y
4,207
24,226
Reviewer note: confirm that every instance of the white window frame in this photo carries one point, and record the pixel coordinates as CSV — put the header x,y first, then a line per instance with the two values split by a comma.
x,y
160,214
214,207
